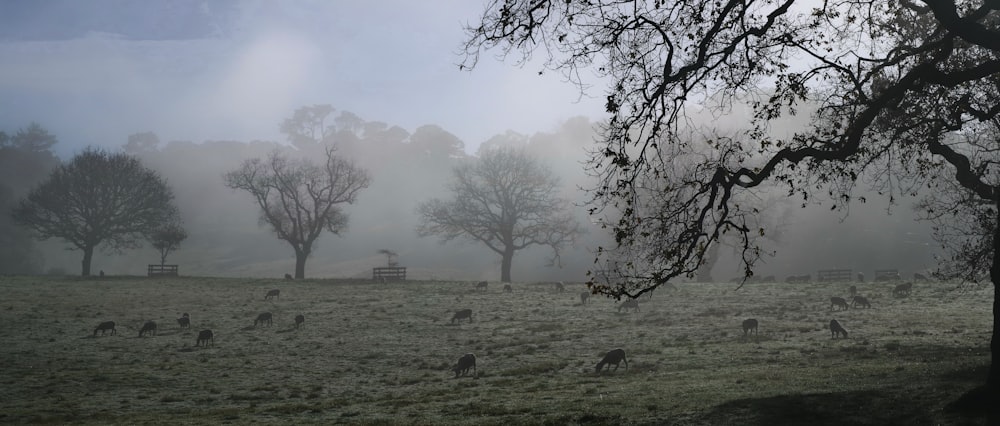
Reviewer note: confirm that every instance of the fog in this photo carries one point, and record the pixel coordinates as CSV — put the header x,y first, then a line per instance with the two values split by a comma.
x,y
214,80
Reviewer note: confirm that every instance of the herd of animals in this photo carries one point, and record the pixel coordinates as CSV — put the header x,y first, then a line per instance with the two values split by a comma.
x,y
468,361
205,337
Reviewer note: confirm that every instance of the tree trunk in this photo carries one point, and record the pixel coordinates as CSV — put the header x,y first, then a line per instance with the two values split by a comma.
x,y
508,258
88,255
300,263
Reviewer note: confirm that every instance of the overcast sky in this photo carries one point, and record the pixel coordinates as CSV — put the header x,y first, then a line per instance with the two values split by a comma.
x,y
95,71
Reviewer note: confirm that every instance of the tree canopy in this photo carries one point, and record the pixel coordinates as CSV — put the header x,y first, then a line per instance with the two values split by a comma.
x,y
98,199
505,200
886,87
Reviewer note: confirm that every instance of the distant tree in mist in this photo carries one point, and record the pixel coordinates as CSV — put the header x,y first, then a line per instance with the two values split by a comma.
x,y
310,127
98,199
505,200
26,159
166,239
142,143
300,199
389,256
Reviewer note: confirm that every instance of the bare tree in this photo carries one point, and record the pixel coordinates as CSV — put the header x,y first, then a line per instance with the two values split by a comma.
x,y
505,200
98,199
884,85
166,239
300,199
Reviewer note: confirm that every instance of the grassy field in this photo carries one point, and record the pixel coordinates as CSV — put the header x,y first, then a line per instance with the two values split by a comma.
x,y
381,354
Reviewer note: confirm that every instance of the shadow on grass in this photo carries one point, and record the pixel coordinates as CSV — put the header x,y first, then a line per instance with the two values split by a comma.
x,y
937,400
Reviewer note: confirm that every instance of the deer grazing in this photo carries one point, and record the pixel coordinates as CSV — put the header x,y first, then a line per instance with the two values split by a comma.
x,y
861,300
273,293
482,285
839,302
614,356
750,326
836,329
462,314
264,318
463,365
631,303
583,297
148,327
299,319
184,321
205,336
105,326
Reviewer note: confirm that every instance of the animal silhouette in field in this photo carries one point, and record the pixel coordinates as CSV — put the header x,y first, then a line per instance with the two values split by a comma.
x,y
482,285
463,365
614,356
902,290
861,277
853,290
507,288
462,314
560,286
583,297
184,321
204,337
750,326
299,319
861,300
629,304
148,327
273,293
289,277
264,318
105,326
836,329
839,302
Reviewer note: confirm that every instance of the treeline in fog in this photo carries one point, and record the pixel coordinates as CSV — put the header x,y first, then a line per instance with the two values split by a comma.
x,y
226,236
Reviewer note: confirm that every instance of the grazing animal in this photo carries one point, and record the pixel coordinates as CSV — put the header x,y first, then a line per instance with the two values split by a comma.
x,y
853,290
148,327
289,277
273,293
299,319
839,302
614,356
861,277
836,329
902,290
560,287
462,314
631,303
262,319
583,297
184,321
105,326
507,288
102,272
919,277
861,300
750,325
205,336
482,285
463,365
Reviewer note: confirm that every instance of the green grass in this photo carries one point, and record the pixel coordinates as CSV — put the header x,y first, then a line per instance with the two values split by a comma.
x,y
380,354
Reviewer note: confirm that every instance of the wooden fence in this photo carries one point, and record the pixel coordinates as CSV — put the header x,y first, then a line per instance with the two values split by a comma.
x,y
835,275
389,273
162,270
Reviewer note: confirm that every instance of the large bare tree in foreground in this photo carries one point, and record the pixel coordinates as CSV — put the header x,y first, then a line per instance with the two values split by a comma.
x,y
98,199
505,200
887,84
300,199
